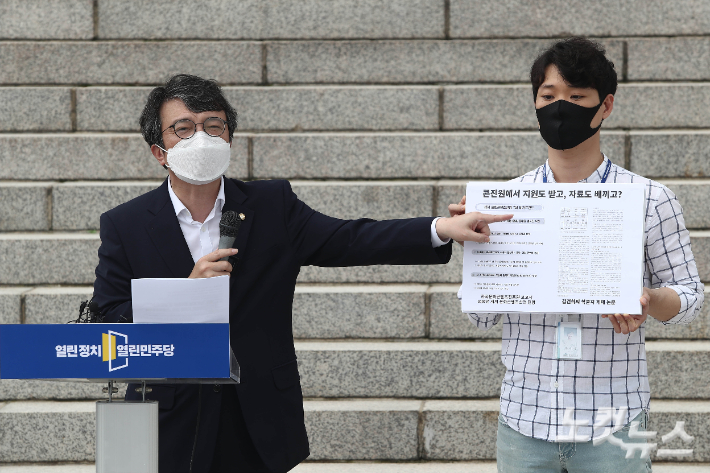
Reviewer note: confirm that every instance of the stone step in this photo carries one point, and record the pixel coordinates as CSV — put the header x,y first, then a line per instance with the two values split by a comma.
x,y
47,431
356,467
136,62
337,312
458,369
421,369
450,155
681,58
519,18
59,19
72,467
675,59
11,304
48,258
692,161
353,429
319,19
376,311
35,108
302,62
362,108
54,305
23,253
25,206
273,19
376,19
369,62
127,62
77,205
403,61
39,390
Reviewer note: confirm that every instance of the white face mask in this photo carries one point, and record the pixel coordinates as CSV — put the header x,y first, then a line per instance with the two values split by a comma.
x,y
200,159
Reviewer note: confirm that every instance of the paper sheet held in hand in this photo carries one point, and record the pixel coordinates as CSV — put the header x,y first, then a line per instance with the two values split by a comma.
x,y
570,248
172,301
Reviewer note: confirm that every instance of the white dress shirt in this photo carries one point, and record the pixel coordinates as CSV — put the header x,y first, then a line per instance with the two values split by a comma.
x,y
537,387
202,238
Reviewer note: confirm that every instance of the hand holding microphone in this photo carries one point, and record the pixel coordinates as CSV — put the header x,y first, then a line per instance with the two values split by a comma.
x,y
213,264
221,261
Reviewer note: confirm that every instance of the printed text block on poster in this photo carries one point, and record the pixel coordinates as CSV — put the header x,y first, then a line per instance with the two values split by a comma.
x,y
570,248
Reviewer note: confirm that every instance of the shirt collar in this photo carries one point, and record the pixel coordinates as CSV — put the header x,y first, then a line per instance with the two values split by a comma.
x,y
595,178
180,207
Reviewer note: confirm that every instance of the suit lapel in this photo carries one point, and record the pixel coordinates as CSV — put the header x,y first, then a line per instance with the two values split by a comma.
x,y
234,200
165,232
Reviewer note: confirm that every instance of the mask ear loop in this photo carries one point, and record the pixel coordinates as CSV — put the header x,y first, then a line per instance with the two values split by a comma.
x,y
166,152
600,106
595,112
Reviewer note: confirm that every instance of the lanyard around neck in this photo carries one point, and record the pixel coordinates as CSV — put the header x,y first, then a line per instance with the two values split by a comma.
x,y
604,177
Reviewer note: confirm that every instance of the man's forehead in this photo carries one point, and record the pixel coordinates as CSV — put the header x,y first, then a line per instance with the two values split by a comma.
x,y
553,80
176,108
562,83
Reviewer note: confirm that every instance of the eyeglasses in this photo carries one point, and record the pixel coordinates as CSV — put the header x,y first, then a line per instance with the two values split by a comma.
x,y
184,129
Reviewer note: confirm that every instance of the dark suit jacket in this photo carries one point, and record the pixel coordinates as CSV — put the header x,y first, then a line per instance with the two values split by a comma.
x,y
142,239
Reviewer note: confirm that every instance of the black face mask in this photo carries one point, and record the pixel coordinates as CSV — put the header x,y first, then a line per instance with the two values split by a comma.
x,y
564,125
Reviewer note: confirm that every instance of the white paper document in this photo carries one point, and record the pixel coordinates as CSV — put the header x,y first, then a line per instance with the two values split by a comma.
x,y
173,301
570,248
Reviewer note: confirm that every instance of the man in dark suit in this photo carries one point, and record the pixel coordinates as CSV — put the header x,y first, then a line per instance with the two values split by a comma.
x,y
173,232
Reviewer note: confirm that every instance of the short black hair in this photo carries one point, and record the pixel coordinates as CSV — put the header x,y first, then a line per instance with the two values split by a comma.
x,y
581,62
198,95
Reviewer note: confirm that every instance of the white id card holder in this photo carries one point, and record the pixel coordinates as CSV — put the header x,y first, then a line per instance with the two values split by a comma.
x,y
569,340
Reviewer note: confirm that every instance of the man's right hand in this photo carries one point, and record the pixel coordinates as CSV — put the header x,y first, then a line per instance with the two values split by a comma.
x,y
457,210
209,265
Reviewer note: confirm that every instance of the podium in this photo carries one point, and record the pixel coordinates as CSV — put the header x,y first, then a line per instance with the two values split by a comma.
x,y
126,432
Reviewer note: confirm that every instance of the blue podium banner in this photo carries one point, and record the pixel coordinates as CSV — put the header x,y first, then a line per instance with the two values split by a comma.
x,y
115,351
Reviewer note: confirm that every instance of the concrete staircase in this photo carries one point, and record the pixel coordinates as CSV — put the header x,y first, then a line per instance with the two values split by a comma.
x,y
378,108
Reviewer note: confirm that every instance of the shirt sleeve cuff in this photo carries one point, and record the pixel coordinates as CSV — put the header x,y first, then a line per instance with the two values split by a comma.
x,y
688,301
436,242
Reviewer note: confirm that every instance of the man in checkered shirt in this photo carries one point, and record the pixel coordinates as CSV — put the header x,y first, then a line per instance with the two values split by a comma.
x,y
543,398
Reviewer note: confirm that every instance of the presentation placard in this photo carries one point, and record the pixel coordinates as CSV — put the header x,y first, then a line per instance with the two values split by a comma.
x,y
570,248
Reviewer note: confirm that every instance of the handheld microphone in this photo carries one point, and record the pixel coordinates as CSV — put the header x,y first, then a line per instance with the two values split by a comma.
x,y
228,229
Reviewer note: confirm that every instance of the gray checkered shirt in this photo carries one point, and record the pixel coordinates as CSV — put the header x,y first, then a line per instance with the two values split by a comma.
x,y
537,387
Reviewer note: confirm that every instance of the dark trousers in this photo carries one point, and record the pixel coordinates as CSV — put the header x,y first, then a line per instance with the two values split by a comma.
x,y
235,451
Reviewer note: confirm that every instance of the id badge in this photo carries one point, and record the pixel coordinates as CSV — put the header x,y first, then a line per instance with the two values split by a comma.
x,y
569,341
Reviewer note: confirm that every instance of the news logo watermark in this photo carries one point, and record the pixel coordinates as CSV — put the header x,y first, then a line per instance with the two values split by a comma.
x,y
617,418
